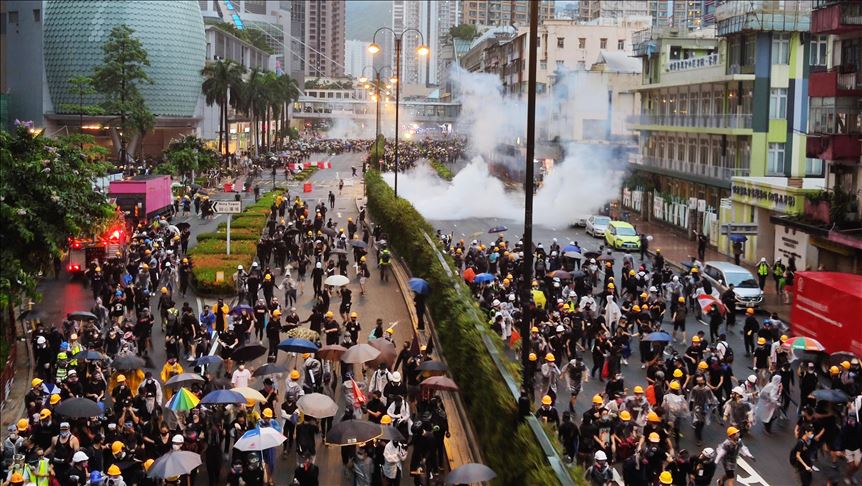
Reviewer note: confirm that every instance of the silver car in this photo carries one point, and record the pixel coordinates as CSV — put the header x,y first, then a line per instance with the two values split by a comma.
x,y
722,274
596,225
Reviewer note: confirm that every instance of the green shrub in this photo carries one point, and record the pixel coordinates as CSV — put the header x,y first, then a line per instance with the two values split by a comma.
x,y
219,247
442,170
509,447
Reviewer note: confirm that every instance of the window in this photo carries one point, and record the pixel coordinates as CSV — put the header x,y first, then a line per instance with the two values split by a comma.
x,y
560,63
780,48
582,42
621,44
778,103
818,50
775,159
814,167
561,42
37,15
603,43
13,17
543,65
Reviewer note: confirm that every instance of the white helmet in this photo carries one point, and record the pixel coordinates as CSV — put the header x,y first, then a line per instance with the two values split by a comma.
x,y
709,453
41,340
601,456
318,265
653,289
396,377
178,439
80,456
560,328
676,278
239,267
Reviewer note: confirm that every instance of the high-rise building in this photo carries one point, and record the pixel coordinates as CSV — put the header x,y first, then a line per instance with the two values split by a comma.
x,y
356,58
611,9
503,12
407,14
324,38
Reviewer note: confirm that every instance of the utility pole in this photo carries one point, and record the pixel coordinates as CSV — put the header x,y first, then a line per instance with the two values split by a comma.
x,y
397,101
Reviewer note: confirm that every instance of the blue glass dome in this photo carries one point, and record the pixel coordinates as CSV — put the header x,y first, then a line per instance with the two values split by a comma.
x,y
171,32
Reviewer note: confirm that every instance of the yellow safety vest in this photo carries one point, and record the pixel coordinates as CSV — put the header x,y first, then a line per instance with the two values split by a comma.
x,y
43,473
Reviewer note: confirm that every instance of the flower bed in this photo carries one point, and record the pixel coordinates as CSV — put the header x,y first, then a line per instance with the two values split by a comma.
x,y
305,174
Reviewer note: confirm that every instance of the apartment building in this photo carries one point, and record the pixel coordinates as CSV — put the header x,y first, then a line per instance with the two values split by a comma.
x,y
503,12
325,28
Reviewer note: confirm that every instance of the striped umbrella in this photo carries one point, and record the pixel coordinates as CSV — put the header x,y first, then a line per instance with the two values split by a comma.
x,y
802,343
183,401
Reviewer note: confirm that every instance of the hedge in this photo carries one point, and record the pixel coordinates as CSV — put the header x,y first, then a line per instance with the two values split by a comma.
x,y
219,247
509,447
305,174
441,169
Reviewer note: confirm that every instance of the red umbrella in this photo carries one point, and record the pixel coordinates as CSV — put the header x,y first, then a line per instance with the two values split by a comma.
x,y
706,301
469,274
439,383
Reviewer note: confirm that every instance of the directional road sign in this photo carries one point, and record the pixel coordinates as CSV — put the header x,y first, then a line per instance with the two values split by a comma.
x,y
227,207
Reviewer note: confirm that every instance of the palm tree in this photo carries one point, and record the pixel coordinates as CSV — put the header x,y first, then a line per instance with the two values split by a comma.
x,y
289,92
221,86
253,102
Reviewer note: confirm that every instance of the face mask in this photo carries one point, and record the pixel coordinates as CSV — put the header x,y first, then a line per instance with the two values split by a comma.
x,y
177,447
65,433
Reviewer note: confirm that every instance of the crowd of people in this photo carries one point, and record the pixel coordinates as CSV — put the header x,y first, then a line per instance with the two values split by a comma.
x,y
585,319
446,150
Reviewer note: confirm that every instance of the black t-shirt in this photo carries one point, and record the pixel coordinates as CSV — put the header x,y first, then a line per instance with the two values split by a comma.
x,y
803,449
761,357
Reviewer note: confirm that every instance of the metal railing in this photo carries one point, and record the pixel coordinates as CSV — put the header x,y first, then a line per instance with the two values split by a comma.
x,y
695,168
850,81
694,121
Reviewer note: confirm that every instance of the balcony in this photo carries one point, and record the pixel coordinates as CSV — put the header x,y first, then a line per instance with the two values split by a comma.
x,y
836,146
763,16
681,167
834,83
836,17
726,122
707,61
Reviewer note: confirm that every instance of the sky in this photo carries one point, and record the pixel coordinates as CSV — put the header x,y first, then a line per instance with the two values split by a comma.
x,y
366,16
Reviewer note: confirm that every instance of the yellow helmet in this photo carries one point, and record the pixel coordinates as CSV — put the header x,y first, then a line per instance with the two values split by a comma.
x,y
16,478
625,416
354,314
631,273
164,290
695,270
834,370
276,313
148,464
386,420
750,311
677,373
761,341
702,365
22,424
36,382
55,399
639,389
116,447
636,308
329,314
598,400
121,378
732,431
267,412
653,417
546,400
45,413
674,385
695,339
611,286
654,437
550,357
533,357
114,470
665,477
534,329
294,375
681,300
644,295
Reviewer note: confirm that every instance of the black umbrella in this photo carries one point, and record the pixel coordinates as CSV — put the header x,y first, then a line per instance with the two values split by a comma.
x,y
358,244
33,315
329,231
292,231
391,433
591,254
352,432
128,362
83,316
470,473
498,229
183,226
432,365
339,251
833,395
578,274
78,408
836,358
270,369
89,355
248,352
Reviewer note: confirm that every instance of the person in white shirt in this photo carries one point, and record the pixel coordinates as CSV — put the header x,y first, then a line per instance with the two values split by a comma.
x,y
240,377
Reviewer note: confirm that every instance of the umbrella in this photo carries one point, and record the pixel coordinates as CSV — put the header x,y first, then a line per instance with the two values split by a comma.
x,y
659,336
183,400
244,307
208,360
297,345
339,251
802,343
439,383
174,463
329,231
128,362
248,352
260,438
337,281
175,185
352,432
360,353
833,395
469,274
606,258
470,473
184,379
89,355
484,278
32,315
303,333
269,369
561,274
578,274
573,254
387,352
592,254
78,408
83,316
835,359
222,397
249,393
706,301
432,365
571,248
391,433
50,389
738,238
183,226
331,352
498,229
317,405
358,244
173,229
419,286
292,231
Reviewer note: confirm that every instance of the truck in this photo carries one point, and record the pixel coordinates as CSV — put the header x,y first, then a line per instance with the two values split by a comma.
x,y
142,198
826,307
110,243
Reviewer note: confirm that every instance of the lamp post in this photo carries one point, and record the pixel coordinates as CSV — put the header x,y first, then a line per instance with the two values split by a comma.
x,y
378,82
422,50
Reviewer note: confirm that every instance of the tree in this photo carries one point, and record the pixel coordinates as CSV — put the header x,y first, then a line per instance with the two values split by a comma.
x,y
142,121
289,92
118,77
253,102
222,86
81,86
187,155
463,31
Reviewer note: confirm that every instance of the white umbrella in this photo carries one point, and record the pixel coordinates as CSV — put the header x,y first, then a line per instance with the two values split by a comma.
x,y
260,438
337,281
250,393
317,405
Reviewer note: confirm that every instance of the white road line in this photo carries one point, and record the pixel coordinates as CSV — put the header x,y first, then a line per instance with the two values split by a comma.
x,y
753,476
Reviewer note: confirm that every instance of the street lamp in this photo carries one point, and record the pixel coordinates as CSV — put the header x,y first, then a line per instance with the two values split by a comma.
x,y
422,50
376,89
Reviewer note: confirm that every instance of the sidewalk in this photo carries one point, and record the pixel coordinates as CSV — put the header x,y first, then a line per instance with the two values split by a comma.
x,y
677,248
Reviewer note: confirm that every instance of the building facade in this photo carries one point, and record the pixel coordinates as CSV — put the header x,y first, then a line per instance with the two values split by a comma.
x,y
357,57
503,12
589,10
325,28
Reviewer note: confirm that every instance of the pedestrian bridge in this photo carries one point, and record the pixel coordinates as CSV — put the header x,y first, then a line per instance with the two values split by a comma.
x,y
418,111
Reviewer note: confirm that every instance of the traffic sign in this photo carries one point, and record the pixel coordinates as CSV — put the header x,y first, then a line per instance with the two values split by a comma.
x,y
739,229
227,207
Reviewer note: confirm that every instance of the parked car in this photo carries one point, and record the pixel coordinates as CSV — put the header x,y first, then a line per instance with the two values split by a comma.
x,y
722,274
595,225
622,236
580,222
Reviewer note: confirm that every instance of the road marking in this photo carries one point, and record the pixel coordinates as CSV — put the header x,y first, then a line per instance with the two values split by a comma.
x,y
753,476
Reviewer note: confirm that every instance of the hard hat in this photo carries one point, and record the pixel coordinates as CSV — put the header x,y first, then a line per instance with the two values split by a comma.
x,y
354,314
784,338
276,313
45,413
533,357
177,439
598,400
695,339
116,447
601,456
654,437
534,329
16,478
636,308
752,379
267,277
611,286
73,336
639,389
185,260
294,375
665,477
148,464
681,300
644,295
306,355
267,412
550,357
694,270
845,364
750,311
702,365
732,431
645,307
546,400
386,420
761,341
23,424
36,382
834,370
396,377
114,470
390,330
423,348
55,399
329,314
164,290
674,385
709,453
631,272
625,416
677,373
121,378
239,267
653,417
80,456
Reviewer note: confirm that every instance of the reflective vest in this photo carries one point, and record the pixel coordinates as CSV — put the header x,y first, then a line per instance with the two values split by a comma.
x,y
43,472
763,269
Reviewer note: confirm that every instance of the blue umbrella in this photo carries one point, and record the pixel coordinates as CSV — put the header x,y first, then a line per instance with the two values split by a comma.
x,y
223,397
238,309
298,345
208,360
498,229
738,238
484,278
419,286
574,248
659,336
